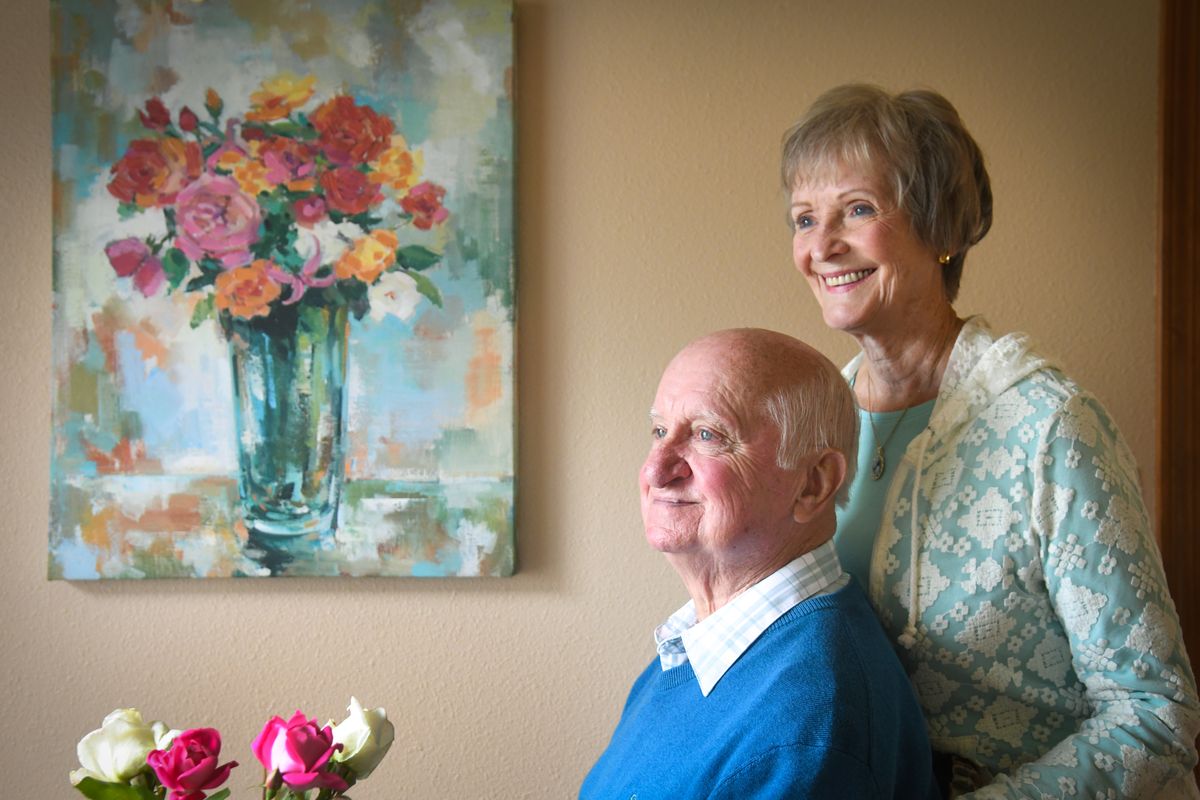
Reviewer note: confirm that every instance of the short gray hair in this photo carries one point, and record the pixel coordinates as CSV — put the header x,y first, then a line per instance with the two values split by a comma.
x,y
814,412
914,140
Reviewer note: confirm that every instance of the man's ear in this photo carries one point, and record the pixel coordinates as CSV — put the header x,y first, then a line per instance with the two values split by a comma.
x,y
823,474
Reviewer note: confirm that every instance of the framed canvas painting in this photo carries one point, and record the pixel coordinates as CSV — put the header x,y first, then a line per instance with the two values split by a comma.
x,y
283,288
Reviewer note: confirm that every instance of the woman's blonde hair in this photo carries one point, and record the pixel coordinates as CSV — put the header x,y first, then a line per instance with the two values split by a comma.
x,y
917,143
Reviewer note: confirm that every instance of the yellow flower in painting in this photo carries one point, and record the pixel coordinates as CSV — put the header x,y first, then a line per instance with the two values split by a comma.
x,y
369,257
251,176
280,96
247,291
398,167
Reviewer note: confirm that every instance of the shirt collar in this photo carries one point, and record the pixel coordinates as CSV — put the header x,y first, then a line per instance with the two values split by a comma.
x,y
716,642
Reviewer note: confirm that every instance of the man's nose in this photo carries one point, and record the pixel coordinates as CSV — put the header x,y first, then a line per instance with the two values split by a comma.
x,y
664,465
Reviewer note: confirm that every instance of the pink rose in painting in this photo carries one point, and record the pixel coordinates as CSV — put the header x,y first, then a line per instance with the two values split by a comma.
x,y
132,258
349,191
289,162
424,202
308,211
216,219
298,752
189,767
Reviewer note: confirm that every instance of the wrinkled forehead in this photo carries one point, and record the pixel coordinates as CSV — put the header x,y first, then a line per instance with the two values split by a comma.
x,y
725,379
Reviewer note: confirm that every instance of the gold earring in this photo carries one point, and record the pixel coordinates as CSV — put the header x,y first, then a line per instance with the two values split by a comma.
x,y
944,258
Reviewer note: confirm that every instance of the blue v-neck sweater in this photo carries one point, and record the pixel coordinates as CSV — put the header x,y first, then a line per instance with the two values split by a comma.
x,y
818,707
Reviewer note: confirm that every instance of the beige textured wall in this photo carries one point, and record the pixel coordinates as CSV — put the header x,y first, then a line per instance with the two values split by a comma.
x,y
648,214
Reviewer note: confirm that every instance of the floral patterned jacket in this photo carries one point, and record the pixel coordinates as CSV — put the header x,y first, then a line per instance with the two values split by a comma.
x,y
1037,627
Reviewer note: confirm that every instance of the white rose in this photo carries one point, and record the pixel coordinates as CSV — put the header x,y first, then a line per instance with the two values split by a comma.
x,y
117,750
365,736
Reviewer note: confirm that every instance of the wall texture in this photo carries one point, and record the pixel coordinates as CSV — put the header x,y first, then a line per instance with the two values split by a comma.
x,y
648,214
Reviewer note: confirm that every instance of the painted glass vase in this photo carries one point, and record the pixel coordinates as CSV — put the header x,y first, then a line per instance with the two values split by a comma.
x,y
289,375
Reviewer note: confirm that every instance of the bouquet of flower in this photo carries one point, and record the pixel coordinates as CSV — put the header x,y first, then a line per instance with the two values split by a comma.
x,y
278,211
128,759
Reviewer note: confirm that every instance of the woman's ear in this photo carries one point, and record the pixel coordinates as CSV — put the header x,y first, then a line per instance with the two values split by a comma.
x,y
823,474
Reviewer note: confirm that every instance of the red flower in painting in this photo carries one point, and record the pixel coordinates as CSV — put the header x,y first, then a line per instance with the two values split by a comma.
x,y
308,211
155,117
153,171
351,134
349,191
424,202
188,121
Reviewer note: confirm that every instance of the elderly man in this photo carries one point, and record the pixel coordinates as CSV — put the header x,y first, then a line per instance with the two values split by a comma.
x,y
776,680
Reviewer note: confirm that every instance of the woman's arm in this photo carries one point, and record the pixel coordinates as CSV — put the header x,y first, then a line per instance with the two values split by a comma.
x,y
1104,576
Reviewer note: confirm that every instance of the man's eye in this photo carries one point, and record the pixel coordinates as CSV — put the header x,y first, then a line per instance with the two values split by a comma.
x,y
706,435
658,432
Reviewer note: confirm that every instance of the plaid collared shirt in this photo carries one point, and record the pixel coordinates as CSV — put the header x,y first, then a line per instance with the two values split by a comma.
x,y
716,642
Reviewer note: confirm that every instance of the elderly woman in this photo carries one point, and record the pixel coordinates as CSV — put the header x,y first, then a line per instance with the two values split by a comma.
x,y
995,515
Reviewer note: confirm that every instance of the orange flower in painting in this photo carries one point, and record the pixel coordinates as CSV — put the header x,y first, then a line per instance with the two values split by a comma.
x,y
398,167
152,171
247,291
279,97
369,257
251,177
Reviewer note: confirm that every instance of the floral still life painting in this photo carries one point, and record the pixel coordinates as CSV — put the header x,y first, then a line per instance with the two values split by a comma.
x,y
283,289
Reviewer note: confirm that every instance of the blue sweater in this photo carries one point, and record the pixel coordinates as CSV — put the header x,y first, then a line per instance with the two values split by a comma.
x,y
818,707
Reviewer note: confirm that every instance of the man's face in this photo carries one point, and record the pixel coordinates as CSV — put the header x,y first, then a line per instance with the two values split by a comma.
x,y
710,485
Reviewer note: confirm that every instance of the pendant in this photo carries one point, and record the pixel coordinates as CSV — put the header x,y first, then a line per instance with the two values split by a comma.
x,y
878,465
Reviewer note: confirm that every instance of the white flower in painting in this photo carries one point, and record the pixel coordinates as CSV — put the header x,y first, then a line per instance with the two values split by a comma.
x,y
475,540
333,239
394,294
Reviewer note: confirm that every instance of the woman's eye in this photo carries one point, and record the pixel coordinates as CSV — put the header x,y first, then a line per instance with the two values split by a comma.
x,y
802,221
862,210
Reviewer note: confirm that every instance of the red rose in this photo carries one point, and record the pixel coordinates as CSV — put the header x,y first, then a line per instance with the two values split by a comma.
x,y
155,117
351,134
349,191
152,171
188,121
424,202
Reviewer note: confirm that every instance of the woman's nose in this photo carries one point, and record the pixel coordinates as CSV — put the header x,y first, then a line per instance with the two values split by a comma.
x,y
663,466
827,243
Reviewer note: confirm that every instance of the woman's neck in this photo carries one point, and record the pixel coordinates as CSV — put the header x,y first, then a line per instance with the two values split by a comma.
x,y
902,369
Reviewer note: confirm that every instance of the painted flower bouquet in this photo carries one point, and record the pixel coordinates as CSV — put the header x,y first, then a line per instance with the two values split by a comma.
x,y
276,210
129,759
284,223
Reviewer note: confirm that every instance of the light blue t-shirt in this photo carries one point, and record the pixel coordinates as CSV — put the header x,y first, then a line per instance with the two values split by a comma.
x,y
858,522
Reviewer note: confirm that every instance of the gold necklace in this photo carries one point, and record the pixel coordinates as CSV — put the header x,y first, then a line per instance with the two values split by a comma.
x,y
879,463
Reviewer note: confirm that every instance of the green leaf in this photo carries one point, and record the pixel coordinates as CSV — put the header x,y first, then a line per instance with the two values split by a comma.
x,y
205,309
314,322
417,258
101,790
176,266
221,795
426,287
128,210
201,281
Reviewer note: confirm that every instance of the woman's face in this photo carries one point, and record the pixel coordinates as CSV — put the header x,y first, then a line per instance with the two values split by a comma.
x,y
866,266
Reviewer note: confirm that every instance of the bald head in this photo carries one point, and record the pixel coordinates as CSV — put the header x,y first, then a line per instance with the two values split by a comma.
x,y
800,390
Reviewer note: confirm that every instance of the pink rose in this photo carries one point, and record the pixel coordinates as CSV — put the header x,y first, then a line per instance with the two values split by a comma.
x,y
189,767
132,258
298,752
215,218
